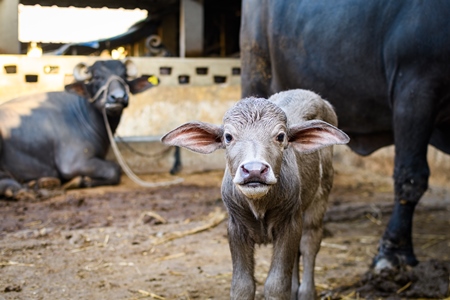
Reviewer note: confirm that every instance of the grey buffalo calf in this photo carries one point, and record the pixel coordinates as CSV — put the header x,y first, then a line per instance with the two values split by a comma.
x,y
276,183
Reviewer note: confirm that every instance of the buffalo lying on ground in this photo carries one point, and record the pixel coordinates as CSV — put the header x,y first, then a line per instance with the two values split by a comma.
x,y
385,67
276,184
61,137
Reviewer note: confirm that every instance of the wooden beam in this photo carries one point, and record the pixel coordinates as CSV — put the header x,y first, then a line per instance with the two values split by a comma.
x,y
191,28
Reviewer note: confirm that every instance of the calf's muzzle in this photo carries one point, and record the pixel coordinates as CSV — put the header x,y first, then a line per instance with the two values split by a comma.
x,y
254,173
254,179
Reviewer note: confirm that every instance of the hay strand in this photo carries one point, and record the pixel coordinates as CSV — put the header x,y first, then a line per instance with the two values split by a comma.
x,y
214,219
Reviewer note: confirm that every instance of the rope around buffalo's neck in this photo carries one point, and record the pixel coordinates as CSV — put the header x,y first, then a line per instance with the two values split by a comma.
x,y
124,165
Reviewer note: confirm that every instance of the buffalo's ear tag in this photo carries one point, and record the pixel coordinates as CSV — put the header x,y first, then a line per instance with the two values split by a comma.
x,y
153,80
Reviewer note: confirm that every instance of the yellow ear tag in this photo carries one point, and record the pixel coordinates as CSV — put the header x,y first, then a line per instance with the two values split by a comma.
x,y
153,80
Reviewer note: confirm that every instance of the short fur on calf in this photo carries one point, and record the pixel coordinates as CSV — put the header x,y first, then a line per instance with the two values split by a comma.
x,y
276,183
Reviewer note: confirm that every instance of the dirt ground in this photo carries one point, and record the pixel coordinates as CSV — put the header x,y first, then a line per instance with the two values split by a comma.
x,y
129,242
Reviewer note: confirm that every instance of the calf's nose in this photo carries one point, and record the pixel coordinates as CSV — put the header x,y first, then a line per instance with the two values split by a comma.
x,y
253,169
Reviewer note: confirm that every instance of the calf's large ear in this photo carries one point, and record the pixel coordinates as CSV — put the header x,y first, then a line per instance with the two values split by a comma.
x,y
142,83
314,135
196,136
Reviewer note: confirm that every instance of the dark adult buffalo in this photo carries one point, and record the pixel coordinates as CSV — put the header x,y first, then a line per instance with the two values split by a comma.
x,y
385,67
61,136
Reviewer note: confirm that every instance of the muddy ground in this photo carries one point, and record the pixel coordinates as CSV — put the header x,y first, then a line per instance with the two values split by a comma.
x,y
129,242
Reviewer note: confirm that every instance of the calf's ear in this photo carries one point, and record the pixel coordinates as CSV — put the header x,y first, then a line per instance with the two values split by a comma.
x,y
196,136
143,83
314,135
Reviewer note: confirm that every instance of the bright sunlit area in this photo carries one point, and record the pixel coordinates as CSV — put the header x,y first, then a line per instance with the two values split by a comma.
x,y
73,25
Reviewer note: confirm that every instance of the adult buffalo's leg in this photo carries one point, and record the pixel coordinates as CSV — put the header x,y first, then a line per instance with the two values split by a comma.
x,y
91,173
74,183
413,122
107,173
10,189
176,168
45,187
48,183
255,61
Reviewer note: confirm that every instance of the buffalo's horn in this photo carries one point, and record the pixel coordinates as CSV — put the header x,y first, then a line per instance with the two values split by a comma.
x,y
80,72
153,41
132,70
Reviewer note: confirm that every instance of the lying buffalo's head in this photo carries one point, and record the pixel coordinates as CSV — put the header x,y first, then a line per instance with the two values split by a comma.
x,y
108,83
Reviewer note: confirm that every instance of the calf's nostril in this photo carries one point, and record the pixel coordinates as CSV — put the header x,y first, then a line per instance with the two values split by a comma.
x,y
264,169
244,170
245,173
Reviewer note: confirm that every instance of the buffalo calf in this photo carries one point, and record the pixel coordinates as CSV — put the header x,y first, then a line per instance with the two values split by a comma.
x,y
276,183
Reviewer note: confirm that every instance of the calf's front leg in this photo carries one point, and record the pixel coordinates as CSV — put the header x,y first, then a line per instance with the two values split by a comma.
x,y
242,250
285,254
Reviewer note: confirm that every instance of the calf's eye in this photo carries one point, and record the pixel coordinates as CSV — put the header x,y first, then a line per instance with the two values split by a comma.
x,y
280,137
228,137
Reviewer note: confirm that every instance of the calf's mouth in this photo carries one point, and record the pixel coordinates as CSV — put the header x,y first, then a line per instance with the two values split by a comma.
x,y
254,183
254,188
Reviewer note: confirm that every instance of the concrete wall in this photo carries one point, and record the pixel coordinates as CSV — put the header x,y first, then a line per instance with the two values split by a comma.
x,y
195,89
153,113
183,95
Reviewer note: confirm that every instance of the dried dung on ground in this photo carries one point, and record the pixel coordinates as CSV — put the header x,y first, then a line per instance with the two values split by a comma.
x,y
429,279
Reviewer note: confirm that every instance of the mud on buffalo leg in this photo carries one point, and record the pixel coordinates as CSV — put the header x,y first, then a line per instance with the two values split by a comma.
x,y
412,127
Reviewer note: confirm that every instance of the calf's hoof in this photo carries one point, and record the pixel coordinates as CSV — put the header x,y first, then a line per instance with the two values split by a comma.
x,y
307,294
